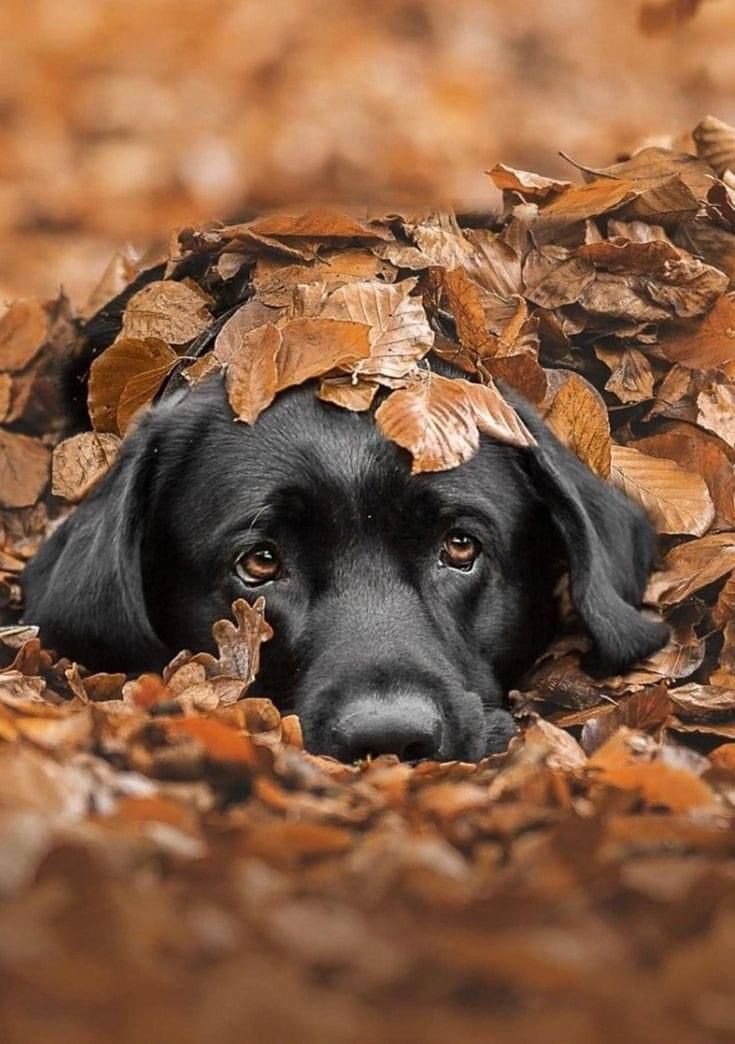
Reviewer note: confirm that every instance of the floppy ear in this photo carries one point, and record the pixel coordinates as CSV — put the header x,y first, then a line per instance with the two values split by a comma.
x,y
610,546
84,588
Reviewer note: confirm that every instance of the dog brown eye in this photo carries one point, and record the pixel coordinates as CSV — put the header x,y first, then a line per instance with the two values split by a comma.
x,y
459,549
259,565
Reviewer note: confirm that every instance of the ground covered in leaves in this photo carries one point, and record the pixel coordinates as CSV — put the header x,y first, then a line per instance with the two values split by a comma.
x,y
170,857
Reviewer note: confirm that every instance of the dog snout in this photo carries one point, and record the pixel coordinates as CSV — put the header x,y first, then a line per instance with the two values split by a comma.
x,y
369,726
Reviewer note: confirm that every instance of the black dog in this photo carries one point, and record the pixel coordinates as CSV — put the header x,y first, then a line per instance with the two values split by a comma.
x,y
402,605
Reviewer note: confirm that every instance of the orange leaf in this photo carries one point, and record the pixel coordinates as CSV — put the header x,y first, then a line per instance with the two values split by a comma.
x,y
251,370
437,420
117,368
677,500
312,347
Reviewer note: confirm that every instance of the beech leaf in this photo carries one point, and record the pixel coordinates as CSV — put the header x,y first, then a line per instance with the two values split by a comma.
x,y
677,500
438,420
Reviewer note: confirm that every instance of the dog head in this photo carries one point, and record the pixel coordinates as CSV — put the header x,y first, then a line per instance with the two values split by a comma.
x,y
402,604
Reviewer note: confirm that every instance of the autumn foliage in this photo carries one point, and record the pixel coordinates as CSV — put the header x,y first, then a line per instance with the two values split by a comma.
x,y
170,856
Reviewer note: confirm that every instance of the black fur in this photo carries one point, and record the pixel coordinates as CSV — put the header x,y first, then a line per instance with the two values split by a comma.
x,y
378,646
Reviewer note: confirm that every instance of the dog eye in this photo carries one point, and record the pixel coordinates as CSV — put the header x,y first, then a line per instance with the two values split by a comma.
x,y
259,565
459,550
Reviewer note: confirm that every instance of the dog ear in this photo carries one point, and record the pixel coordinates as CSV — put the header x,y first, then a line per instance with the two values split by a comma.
x,y
84,588
610,547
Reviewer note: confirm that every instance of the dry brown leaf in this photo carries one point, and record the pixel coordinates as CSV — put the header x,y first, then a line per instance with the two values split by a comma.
x,y
659,785
707,344
716,410
673,278
239,643
24,469
724,608
437,420
631,377
204,367
522,372
724,675
496,264
439,237
220,744
251,370
614,295
6,396
677,500
141,389
702,702
715,139
580,202
578,417
348,393
467,302
317,222
312,347
553,276
702,454
112,372
647,710
120,272
400,334
80,462
532,187
654,166
274,280
689,567
171,311
22,333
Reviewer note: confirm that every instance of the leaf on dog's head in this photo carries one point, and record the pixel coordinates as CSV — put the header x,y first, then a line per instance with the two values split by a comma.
x,y
579,202
251,374
578,417
438,420
677,500
140,391
522,372
467,301
24,469
318,223
174,312
313,347
80,462
22,333
204,367
348,393
400,334
124,378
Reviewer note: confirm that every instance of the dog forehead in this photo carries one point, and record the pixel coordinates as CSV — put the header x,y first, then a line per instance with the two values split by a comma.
x,y
329,455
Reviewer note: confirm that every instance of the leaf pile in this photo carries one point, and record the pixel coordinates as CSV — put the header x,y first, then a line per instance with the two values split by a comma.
x,y
168,850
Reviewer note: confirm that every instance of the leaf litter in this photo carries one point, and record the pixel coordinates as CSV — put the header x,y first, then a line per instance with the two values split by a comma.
x,y
581,884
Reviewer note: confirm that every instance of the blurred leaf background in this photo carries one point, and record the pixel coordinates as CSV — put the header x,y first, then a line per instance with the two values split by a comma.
x,y
120,119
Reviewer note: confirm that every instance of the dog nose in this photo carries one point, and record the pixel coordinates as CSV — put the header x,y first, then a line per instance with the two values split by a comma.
x,y
410,728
